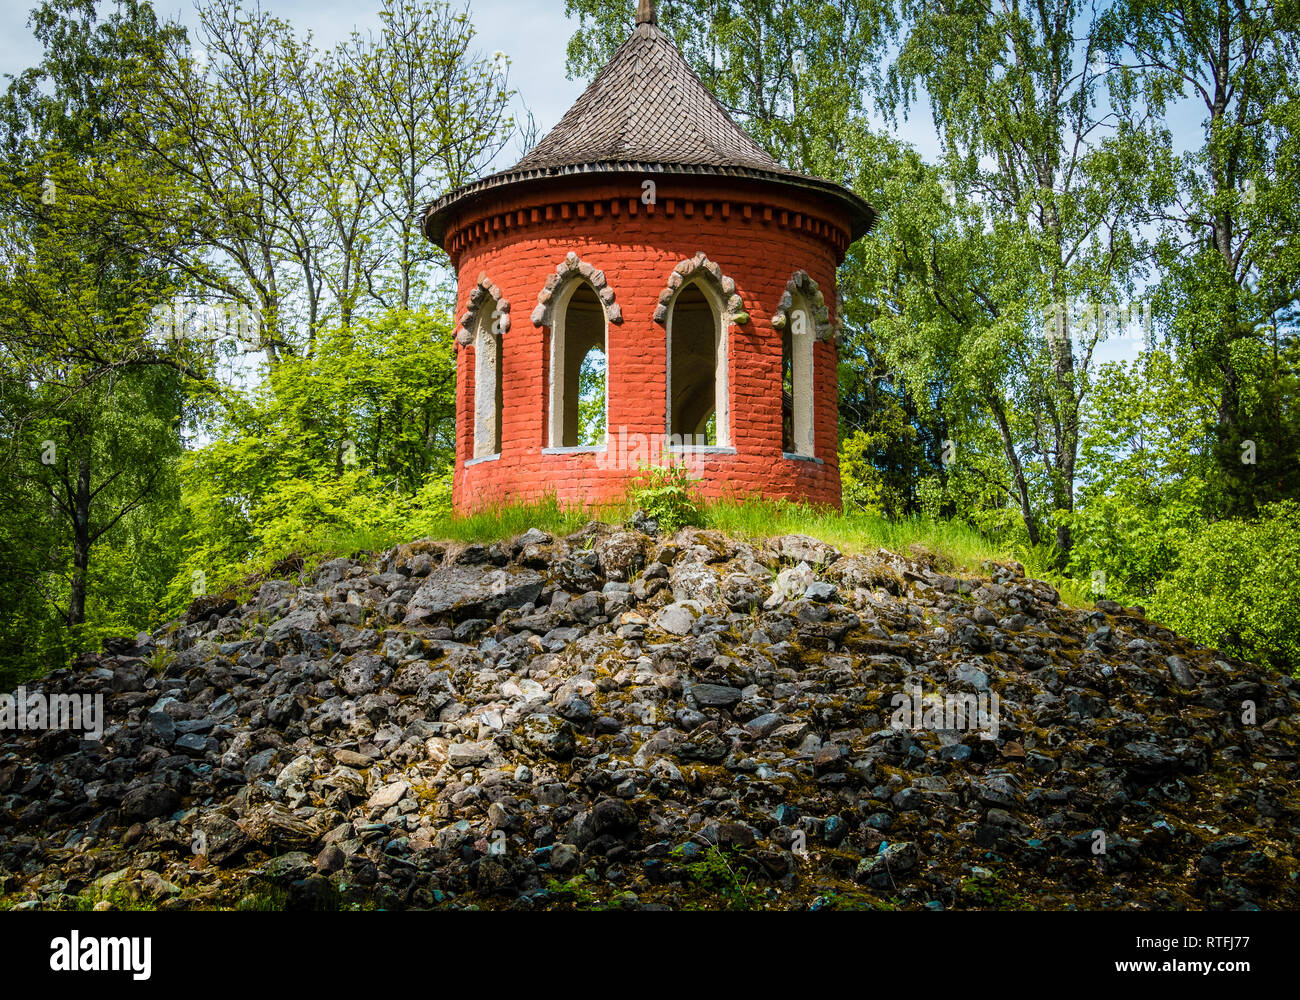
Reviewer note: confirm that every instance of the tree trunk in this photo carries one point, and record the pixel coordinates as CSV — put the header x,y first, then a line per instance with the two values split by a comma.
x,y
80,545
1017,471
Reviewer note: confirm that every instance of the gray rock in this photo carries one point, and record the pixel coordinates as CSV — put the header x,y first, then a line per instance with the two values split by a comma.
x,y
304,621
297,771
763,725
148,800
576,710
716,695
467,754
193,744
889,867
389,795
821,592
547,736
803,549
260,763
1181,671
741,592
676,619
464,592
218,838
161,728
968,673
564,858
347,780
364,674
695,582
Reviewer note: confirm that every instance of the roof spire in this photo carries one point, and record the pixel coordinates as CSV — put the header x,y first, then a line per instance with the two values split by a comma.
x,y
645,13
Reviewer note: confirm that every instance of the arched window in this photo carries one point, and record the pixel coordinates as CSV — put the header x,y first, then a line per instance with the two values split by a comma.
x,y
487,382
697,370
578,396
796,380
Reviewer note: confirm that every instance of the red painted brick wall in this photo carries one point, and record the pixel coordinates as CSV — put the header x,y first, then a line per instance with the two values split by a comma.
x,y
738,228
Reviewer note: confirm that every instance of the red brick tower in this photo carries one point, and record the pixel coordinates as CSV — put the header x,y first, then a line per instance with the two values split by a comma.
x,y
649,238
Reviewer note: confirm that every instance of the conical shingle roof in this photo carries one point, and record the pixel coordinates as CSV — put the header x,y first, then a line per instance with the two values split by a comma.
x,y
647,112
648,106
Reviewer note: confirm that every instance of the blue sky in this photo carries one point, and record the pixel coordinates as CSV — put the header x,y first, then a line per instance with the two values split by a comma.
x,y
533,34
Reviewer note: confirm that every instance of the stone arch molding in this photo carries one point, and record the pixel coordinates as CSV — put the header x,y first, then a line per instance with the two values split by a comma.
x,y
803,284
700,265
570,268
500,316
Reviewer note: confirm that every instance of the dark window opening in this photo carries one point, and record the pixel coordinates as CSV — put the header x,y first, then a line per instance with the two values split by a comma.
x,y
693,370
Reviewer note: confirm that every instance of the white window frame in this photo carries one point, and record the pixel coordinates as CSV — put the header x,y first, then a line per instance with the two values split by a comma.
x,y
803,335
555,390
722,382
489,358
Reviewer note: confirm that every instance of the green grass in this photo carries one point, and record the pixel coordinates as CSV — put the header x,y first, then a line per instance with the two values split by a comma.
x,y
269,900
493,524
956,546
575,892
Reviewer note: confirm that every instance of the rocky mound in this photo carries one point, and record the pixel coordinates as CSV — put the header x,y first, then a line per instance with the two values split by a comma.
x,y
620,719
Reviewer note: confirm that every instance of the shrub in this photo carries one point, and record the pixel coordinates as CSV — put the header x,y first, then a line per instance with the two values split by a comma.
x,y
667,494
1237,587
1122,549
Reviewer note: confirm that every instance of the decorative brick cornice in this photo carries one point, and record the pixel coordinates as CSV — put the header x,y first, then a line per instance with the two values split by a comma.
x,y
548,213
500,316
700,266
574,268
803,284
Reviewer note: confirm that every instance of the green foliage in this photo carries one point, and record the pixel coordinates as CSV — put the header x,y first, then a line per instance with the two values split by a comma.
x,y
860,479
725,876
271,899
136,181
1147,463
1032,204
352,441
668,495
574,892
592,401
89,408
1227,216
1236,586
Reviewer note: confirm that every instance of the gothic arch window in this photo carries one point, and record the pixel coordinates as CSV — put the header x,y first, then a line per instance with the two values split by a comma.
x,y
578,306
697,370
483,326
488,398
697,310
797,381
802,319
579,346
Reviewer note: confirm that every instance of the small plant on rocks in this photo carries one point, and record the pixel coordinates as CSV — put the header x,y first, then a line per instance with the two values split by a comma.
x,y
667,495
725,876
